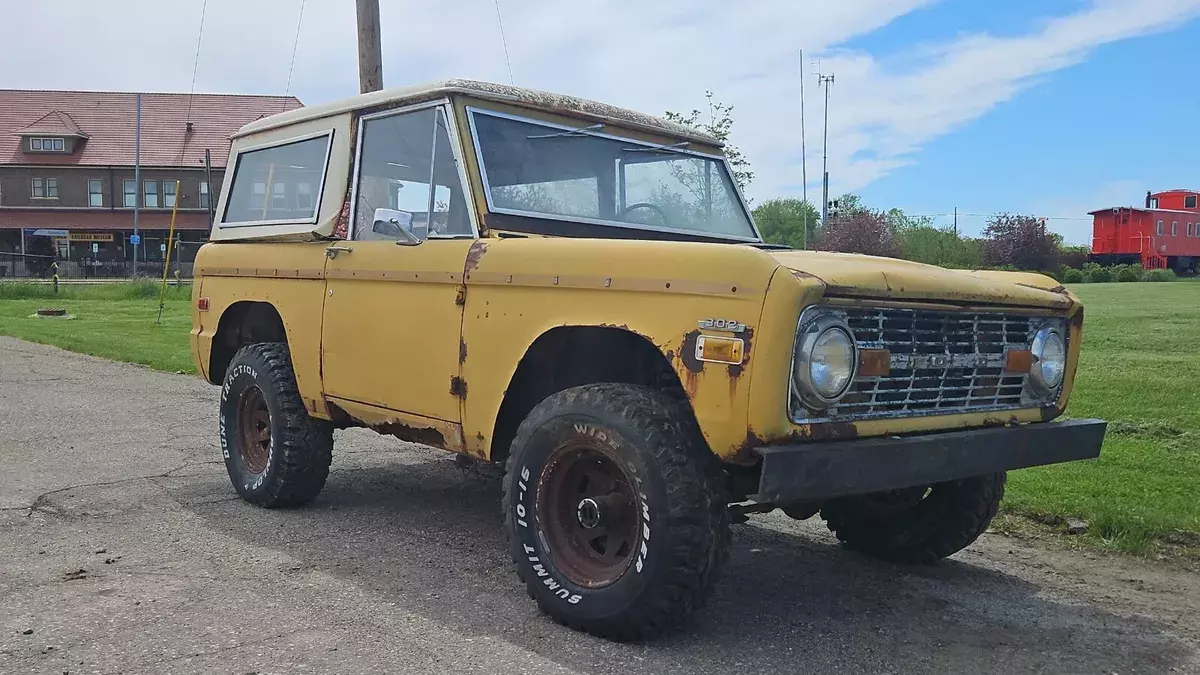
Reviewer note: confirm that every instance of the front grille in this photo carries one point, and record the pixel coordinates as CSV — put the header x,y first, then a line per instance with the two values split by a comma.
x,y
941,362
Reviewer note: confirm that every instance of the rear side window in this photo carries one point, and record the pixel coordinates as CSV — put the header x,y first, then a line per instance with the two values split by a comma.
x,y
1189,202
279,184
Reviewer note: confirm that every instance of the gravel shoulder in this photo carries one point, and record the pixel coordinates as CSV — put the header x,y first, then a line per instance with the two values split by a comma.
x,y
123,549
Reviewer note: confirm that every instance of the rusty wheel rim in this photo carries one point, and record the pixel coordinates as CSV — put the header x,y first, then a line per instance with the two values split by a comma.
x,y
588,508
254,425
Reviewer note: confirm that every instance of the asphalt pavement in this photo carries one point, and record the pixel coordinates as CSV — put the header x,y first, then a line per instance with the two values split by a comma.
x,y
123,549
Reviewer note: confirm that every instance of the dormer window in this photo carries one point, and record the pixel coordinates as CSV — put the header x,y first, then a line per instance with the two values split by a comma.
x,y
1189,202
47,144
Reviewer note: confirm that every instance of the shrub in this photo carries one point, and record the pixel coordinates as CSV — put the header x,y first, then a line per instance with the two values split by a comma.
x,y
1072,276
1125,273
1099,275
1159,275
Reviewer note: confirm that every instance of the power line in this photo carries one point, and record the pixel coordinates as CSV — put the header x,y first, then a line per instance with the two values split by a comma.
x,y
295,46
503,41
196,63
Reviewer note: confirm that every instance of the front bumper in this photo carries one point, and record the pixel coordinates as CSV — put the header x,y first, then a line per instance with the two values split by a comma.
x,y
818,471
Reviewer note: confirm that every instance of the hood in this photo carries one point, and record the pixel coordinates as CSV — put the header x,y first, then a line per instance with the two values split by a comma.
x,y
864,276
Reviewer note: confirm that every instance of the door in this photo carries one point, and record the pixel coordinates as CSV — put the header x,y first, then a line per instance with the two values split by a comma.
x,y
393,318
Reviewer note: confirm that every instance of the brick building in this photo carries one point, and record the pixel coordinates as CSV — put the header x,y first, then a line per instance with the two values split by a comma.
x,y
67,186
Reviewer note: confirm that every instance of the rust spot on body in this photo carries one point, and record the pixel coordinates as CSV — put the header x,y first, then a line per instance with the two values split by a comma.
x,y
475,254
458,387
404,432
687,353
736,369
462,351
824,431
805,275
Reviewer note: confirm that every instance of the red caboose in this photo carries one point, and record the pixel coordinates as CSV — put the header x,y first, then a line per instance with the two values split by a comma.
x,y
1164,234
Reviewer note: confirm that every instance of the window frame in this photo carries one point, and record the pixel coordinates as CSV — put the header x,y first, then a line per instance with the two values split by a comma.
x,y
487,190
99,192
125,193
237,158
204,195
1159,229
36,184
174,195
455,145
1174,228
157,194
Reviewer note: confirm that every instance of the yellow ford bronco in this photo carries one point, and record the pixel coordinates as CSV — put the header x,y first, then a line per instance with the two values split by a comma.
x,y
578,293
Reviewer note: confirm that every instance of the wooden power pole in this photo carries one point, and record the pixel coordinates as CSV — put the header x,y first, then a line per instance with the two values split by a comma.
x,y
370,58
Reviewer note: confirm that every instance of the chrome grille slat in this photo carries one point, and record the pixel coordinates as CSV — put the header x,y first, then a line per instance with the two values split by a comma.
x,y
970,378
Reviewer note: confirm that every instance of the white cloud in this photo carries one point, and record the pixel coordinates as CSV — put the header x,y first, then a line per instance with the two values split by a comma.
x,y
650,56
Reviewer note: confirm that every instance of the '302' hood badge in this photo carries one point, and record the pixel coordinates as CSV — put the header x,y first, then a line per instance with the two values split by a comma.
x,y
723,324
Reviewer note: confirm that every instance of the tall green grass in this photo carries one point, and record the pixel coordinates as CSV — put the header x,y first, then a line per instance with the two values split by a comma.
x,y
128,290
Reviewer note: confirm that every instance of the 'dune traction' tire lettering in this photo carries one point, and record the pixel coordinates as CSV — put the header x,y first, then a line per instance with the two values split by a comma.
x,y
917,525
276,455
615,510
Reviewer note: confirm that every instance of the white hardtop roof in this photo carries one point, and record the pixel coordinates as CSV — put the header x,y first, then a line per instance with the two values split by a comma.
x,y
503,93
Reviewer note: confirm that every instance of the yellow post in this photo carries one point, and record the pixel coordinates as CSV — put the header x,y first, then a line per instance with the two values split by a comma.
x,y
162,292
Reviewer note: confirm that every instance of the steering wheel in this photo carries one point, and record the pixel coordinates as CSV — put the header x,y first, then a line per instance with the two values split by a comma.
x,y
644,205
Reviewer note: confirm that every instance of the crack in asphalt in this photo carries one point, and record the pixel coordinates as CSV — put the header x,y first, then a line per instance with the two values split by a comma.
x,y
40,503
213,652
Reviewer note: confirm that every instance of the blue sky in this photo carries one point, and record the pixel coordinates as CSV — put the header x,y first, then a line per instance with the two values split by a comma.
x,y
1095,134
1034,106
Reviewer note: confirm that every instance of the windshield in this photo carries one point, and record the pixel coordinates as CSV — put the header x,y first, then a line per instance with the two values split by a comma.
x,y
580,174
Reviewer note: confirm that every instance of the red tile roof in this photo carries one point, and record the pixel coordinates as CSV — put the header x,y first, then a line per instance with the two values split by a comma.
x,y
107,119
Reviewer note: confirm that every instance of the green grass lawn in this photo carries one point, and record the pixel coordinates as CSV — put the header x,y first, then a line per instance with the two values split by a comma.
x,y
1140,370
116,321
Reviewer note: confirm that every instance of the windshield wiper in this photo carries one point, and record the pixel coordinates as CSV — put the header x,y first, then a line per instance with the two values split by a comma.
x,y
582,131
676,148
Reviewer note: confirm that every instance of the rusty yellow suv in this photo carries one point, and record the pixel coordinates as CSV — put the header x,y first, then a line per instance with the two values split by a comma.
x,y
578,293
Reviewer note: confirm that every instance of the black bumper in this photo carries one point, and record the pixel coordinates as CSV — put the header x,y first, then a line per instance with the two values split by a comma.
x,y
817,471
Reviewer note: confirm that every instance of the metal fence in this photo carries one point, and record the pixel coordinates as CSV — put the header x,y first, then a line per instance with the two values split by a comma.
x,y
28,266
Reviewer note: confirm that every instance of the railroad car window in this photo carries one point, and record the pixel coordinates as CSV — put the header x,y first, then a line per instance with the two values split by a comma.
x,y
1189,202
1159,230
1174,228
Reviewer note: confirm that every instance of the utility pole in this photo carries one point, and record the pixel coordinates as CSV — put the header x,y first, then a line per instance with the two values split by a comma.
x,y
956,221
137,181
827,82
370,58
803,154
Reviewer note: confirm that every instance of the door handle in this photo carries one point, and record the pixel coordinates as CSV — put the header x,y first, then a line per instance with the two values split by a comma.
x,y
332,251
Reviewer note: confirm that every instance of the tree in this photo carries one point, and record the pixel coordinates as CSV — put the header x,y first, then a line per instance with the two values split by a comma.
x,y
1020,242
720,127
939,246
860,231
40,253
781,221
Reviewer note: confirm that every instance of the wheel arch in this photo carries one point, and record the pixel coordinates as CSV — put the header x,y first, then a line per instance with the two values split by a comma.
x,y
570,356
242,323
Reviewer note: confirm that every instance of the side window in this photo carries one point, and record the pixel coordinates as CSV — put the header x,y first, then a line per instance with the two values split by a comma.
x,y
1174,228
1189,202
266,180
1159,229
401,157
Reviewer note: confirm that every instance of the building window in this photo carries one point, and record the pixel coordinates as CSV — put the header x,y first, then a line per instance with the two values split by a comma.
x,y
304,198
279,195
1189,202
47,144
1159,230
1174,228
95,193
130,190
45,188
204,194
150,194
169,194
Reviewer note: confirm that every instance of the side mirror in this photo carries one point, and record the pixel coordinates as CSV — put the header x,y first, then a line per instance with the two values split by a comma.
x,y
399,224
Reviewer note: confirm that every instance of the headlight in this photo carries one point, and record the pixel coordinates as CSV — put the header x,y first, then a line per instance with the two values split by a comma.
x,y
1050,360
825,361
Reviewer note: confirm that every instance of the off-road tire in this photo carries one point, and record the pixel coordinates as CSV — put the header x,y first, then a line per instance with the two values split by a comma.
x,y
950,517
683,503
300,447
